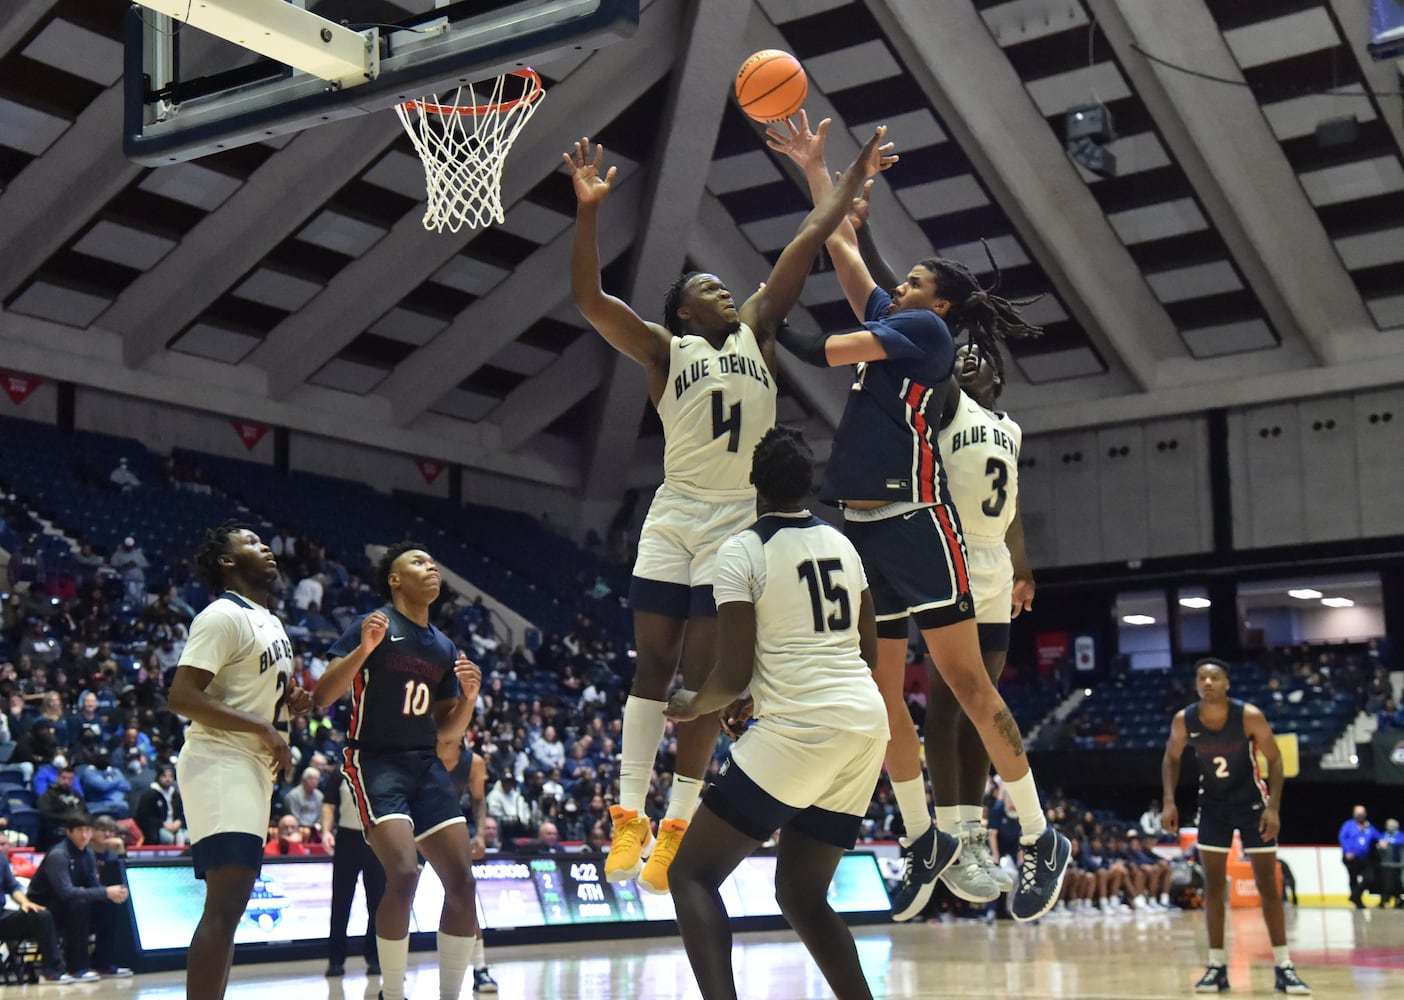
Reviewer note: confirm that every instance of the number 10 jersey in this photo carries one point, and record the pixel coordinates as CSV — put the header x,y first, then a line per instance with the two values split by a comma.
x,y
394,693
980,451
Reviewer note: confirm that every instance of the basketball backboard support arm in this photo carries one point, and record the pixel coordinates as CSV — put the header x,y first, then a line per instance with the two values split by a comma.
x,y
171,115
284,32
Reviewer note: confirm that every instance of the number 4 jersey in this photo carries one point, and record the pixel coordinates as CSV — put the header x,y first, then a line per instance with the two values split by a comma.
x,y
806,583
980,451
717,405
396,689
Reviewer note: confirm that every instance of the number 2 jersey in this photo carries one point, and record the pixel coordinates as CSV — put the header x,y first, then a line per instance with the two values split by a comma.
x,y
394,693
1227,758
717,405
980,451
245,647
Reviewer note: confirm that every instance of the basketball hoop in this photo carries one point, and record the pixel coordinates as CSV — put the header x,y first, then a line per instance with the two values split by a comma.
x,y
464,146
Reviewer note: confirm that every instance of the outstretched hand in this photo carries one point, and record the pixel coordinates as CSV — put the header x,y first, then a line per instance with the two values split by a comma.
x,y
806,148
590,187
876,155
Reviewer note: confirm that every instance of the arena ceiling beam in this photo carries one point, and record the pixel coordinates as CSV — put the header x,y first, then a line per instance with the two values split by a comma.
x,y
985,105
1382,76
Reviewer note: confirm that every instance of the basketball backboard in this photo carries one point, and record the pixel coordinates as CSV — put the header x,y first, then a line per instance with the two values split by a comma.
x,y
190,92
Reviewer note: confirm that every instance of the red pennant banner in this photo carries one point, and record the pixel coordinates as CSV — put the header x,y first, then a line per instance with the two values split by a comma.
x,y
18,387
249,432
429,469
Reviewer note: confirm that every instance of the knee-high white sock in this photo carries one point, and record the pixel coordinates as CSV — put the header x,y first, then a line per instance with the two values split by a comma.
x,y
1032,822
970,814
911,802
454,955
682,798
643,731
479,952
947,818
394,957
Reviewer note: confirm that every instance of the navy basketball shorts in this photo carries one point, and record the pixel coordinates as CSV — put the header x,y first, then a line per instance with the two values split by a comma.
x,y
916,566
1217,821
411,785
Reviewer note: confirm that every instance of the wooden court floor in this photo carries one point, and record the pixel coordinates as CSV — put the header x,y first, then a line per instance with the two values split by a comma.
x,y
1339,952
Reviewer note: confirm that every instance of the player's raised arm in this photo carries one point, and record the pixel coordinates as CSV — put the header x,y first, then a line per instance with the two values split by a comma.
x,y
782,288
626,331
1170,772
342,669
1256,725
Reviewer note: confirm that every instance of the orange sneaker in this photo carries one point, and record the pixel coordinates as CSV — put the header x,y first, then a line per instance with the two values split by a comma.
x,y
655,874
632,835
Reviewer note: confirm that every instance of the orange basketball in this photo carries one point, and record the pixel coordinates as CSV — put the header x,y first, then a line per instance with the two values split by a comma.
x,y
771,85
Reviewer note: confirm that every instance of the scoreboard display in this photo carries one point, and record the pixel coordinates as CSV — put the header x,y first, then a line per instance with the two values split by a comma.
x,y
292,901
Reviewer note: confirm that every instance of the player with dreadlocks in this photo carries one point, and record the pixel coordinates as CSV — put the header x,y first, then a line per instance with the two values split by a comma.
x,y
885,471
231,684
979,448
711,376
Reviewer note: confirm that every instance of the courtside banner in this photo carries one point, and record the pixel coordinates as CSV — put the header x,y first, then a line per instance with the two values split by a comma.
x,y
1389,756
1386,28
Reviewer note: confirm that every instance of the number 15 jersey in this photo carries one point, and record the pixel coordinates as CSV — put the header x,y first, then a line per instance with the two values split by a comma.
x,y
716,406
394,693
980,451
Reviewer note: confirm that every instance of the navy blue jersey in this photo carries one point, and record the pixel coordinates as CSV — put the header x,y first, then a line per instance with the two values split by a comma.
x,y
886,444
1228,763
396,689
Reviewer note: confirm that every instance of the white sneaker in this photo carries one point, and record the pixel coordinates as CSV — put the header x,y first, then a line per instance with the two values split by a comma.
x,y
978,844
968,878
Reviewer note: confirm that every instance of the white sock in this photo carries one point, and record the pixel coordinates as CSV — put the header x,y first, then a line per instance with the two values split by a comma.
x,y
970,814
479,952
947,817
1280,955
1024,794
394,957
1164,899
682,798
911,802
455,953
643,731
1218,956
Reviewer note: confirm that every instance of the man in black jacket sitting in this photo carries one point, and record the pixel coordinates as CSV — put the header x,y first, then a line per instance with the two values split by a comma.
x,y
67,883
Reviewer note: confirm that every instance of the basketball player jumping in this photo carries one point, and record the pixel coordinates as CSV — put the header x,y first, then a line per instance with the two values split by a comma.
x,y
231,683
885,471
711,376
806,643
408,684
979,449
1225,733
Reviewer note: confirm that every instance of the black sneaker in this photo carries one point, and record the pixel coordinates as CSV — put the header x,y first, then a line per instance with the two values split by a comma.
x,y
923,861
1286,980
1040,876
334,970
1214,980
483,981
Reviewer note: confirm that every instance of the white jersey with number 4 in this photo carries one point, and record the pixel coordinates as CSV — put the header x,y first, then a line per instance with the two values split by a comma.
x,y
715,408
980,451
806,582
248,652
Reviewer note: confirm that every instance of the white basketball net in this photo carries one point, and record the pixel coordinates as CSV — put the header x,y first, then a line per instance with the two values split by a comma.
x,y
464,145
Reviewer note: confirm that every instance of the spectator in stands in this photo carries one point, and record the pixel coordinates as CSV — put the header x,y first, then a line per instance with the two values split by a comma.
x,y
1390,716
7,742
123,477
305,801
130,561
1358,838
89,719
159,812
1150,820
509,806
31,921
548,750
1154,882
1378,690
317,624
309,591
492,841
105,787
548,841
37,748
67,883
17,713
287,840
59,800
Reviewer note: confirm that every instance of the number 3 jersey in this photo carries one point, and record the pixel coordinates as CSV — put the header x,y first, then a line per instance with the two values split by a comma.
x,y
980,451
248,652
806,583
394,693
717,405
